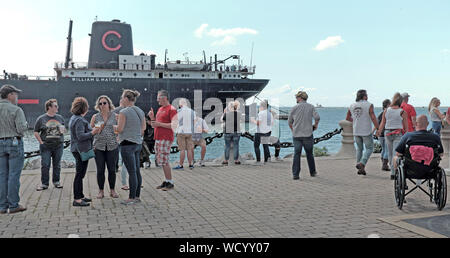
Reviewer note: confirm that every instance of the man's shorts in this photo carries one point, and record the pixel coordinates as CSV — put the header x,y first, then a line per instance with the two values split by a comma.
x,y
162,148
200,142
184,142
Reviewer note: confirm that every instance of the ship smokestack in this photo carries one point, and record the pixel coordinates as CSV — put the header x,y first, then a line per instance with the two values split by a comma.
x,y
69,46
108,41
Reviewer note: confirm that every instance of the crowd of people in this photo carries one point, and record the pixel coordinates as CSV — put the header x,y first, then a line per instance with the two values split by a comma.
x,y
396,124
126,133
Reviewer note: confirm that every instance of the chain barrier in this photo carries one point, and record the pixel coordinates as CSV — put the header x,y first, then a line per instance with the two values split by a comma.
x,y
209,140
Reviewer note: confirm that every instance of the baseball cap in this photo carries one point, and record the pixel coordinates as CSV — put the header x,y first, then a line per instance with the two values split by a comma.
x,y
405,95
302,94
6,89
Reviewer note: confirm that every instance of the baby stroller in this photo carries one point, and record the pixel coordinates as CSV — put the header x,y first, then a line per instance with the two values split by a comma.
x,y
422,163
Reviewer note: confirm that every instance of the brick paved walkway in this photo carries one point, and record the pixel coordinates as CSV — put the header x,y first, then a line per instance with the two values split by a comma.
x,y
235,201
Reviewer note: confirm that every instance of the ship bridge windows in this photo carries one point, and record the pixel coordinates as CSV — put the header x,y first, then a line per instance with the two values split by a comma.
x,y
220,76
161,75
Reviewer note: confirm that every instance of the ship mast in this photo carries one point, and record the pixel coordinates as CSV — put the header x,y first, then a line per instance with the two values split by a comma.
x,y
69,44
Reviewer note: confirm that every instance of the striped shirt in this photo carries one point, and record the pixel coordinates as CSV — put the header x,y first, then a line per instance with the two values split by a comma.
x,y
301,117
106,140
12,122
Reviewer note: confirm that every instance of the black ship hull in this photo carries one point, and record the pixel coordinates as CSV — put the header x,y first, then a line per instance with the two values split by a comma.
x,y
37,92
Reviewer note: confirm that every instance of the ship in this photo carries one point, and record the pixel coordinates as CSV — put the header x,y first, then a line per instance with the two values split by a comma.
x,y
113,67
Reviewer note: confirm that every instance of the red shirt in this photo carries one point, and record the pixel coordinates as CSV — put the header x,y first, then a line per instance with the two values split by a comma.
x,y
410,111
165,115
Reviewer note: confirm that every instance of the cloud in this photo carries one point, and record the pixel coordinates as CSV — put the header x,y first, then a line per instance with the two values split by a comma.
x,y
223,36
199,32
445,51
332,41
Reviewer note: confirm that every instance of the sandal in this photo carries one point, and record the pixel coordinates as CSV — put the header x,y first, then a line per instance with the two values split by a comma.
x,y
114,195
237,163
100,195
225,163
125,188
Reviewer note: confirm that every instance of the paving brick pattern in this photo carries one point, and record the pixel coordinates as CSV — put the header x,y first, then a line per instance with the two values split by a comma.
x,y
237,201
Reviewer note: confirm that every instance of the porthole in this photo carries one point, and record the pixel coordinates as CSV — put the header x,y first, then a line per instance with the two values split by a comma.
x,y
92,74
149,75
135,74
171,75
114,74
72,73
120,74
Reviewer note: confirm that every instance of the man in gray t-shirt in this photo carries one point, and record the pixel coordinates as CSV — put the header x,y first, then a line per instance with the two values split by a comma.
x,y
300,122
49,131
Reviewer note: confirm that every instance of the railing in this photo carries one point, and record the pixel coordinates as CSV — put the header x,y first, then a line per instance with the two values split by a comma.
x,y
15,76
72,65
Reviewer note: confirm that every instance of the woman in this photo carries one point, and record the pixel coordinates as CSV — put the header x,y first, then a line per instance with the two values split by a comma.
x,y
232,120
81,135
105,145
436,115
131,127
384,151
395,124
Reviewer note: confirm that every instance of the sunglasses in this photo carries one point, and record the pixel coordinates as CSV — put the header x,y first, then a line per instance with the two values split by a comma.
x,y
102,103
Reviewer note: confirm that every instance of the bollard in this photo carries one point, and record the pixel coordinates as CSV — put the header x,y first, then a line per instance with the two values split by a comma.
x,y
348,142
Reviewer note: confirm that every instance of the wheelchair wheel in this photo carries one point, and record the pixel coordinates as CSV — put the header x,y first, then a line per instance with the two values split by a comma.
x,y
441,189
399,187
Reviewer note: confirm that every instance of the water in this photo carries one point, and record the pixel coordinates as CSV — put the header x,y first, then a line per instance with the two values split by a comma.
x,y
330,118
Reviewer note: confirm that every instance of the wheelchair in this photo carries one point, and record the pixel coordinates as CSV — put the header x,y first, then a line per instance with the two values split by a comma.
x,y
432,175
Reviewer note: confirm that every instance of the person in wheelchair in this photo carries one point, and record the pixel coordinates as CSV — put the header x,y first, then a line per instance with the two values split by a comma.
x,y
419,142
418,157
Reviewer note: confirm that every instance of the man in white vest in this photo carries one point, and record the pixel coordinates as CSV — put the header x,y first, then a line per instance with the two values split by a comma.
x,y
362,115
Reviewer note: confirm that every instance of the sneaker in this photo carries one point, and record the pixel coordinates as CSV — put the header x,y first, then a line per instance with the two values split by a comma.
x,y
162,185
392,177
128,202
137,200
42,188
202,163
225,163
20,208
191,166
178,167
58,185
147,164
80,204
86,200
296,178
314,174
258,163
169,186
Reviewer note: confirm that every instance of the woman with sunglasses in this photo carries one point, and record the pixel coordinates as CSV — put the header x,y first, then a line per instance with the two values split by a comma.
x,y
105,145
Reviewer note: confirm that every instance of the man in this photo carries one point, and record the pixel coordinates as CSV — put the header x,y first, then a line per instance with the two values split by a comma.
x,y
49,131
200,127
185,130
300,122
410,111
419,137
12,128
164,123
264,124
362,115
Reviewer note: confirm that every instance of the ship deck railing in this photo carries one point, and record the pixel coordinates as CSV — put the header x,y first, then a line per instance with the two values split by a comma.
x,y
15,76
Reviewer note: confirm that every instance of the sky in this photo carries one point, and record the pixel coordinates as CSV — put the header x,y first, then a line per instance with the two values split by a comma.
x,y
330,49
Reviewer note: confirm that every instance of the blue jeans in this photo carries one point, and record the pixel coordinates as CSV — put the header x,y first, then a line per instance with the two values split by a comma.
x,y
11,164
384,152
256,144
232,138
47,156
131,159
437,126
299,144
391,142
363,155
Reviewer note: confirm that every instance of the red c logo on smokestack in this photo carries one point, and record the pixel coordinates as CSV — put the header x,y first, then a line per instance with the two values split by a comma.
x,y
104,41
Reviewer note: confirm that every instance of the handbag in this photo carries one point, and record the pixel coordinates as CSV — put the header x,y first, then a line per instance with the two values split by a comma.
x,y
85,156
